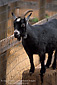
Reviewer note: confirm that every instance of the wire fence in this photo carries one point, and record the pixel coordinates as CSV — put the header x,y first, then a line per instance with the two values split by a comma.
x,y
15,58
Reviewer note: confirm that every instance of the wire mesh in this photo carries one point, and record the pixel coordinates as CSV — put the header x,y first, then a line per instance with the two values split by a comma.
x,y
50,10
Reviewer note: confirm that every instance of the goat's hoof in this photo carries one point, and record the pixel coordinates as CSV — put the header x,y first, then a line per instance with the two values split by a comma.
x,y
47,66
54,67
31,71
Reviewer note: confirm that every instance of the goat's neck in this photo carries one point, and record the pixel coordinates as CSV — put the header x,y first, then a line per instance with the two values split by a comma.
x,y
29,29
30,32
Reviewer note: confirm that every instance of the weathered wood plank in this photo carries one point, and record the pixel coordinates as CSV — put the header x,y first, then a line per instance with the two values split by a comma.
x,y
8,42
5,2
27,4
35,5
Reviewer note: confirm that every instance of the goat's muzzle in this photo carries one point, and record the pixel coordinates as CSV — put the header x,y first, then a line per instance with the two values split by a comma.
x,y
16,35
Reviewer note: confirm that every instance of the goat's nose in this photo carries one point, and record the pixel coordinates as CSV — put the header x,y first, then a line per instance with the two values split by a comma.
x,y
15,34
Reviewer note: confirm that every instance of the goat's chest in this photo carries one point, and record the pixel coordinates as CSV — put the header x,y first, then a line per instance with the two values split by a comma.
x,y
30,46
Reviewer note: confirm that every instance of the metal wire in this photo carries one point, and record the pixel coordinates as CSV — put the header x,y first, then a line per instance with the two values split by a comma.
x,y
11,54
8,10
6,20
16,57
17,64
20,71
7,30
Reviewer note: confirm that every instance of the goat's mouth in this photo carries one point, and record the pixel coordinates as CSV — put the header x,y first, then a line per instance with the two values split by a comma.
x,y
18,37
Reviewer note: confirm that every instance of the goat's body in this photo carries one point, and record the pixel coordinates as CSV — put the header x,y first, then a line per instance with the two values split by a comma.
x,y
41,38
37,39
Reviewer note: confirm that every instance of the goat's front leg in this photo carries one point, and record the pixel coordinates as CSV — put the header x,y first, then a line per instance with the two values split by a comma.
x,y
43,69
49,59
32,68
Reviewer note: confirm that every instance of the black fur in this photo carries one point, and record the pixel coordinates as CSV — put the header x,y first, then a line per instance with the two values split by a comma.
x,y
40,39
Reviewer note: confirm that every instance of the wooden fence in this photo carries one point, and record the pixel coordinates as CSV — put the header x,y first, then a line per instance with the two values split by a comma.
x,y
8,42
12,53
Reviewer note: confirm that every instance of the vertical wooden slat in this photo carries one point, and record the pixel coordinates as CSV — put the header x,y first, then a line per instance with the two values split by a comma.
x,y
3,34
41,9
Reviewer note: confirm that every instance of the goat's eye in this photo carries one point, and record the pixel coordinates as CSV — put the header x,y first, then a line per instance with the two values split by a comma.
x,y
23,25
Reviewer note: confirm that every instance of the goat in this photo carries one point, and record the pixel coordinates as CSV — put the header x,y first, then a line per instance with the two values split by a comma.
x,y
37,39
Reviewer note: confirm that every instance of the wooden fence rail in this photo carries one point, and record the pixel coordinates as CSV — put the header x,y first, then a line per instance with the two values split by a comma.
x,y
7,43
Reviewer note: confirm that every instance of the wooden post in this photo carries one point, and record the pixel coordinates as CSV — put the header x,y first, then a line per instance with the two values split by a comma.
x,y
50,78
12,8
3,34
41,9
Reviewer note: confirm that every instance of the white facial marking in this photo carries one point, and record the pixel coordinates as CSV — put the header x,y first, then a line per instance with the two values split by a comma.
x,y
18,19
25,36
27,22
18,32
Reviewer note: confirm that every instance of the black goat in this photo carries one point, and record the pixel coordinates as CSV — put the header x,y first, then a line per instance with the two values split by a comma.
x,y
37,39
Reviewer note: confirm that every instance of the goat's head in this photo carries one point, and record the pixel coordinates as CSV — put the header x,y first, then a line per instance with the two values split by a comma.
x,y
20,25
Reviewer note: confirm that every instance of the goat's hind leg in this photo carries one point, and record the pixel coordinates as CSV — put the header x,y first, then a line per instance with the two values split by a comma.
x,y
54,63
43,69
49,59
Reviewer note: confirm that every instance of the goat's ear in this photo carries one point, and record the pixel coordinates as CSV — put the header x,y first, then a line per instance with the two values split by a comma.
x,y
14,17
27,19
